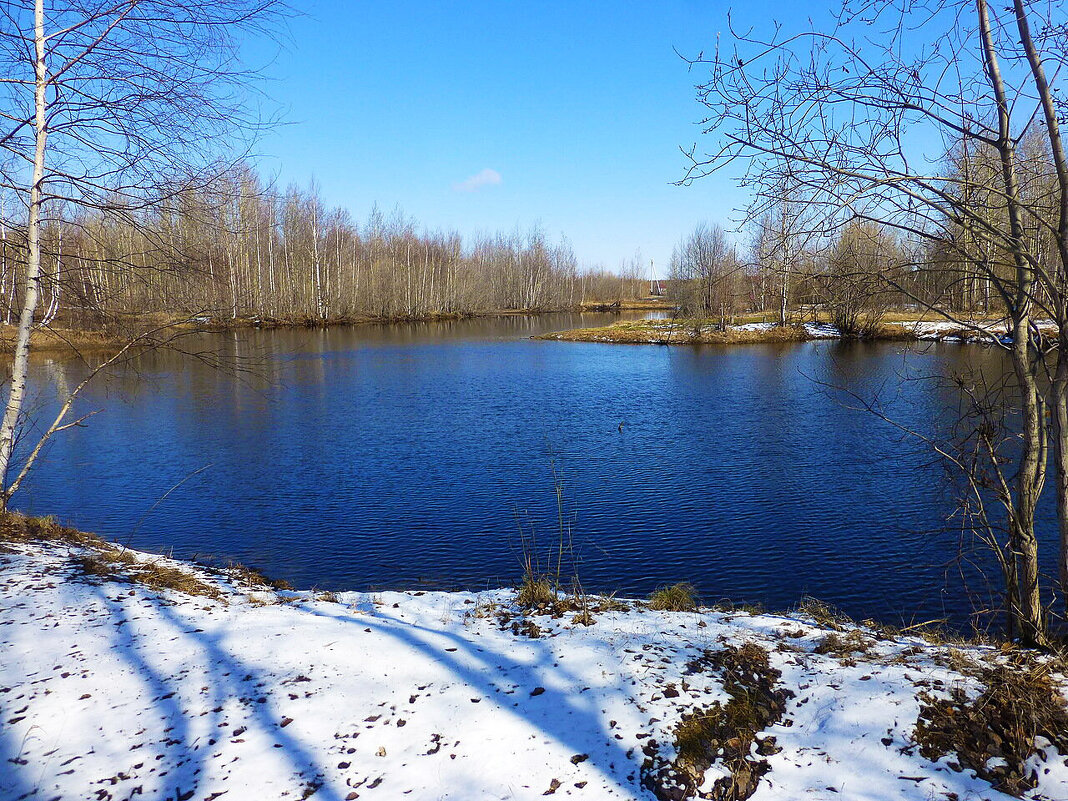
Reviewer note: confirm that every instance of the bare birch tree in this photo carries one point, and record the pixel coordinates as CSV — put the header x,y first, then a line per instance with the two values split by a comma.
x,y
113,106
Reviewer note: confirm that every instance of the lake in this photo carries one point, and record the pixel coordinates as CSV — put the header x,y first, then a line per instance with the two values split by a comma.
x,y
425,455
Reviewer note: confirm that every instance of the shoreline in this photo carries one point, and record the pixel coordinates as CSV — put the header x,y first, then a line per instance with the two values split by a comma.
x,y
69,341
128,673
703,332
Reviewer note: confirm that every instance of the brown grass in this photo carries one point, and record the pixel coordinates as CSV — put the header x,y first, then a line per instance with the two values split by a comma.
x,y
844,646
61,340
536,593
688,332
895,327
994,733
681,597
723,733
102,560
251,577
19,528
109,563
823,613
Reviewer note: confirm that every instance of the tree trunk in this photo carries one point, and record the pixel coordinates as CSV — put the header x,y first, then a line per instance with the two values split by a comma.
x,y
1031,475
17,391
1060,460
1060,381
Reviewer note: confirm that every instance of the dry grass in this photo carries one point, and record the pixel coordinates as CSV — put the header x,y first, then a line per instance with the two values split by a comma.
x,y
102,560
19,528
251,577
823,613
536,593
109,563
61,341
660,332
724,733
681,597
844,646
646,304
894,327
994,734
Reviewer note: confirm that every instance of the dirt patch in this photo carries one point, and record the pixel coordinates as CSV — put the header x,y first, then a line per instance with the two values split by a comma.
x,y
722,736
997,734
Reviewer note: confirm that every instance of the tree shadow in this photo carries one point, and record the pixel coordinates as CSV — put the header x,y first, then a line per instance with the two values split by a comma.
x,y
562,714
186,740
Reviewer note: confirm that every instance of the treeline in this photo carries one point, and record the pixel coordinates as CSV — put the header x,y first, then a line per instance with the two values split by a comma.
x,y
239,249
852,281
799,261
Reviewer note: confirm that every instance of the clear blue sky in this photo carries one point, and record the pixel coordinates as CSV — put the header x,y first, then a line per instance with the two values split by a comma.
x,y
578,107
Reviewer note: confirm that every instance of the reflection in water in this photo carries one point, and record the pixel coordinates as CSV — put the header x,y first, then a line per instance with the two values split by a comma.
x,y
404,454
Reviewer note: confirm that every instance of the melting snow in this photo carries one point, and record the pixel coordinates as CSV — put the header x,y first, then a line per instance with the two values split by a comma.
x,y
113,691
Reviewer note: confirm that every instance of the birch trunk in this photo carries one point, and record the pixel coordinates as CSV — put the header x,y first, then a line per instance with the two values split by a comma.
x,y
17,390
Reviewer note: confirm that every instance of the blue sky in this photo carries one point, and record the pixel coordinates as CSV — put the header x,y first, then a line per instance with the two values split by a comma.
x,y
567,114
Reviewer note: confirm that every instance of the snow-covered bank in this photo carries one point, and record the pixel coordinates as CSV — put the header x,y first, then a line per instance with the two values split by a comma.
x,y
112,690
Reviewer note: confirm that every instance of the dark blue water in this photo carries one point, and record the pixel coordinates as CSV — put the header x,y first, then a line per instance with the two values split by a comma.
x,y
414,455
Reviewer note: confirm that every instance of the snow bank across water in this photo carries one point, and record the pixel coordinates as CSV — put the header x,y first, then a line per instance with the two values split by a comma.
x,y
111,690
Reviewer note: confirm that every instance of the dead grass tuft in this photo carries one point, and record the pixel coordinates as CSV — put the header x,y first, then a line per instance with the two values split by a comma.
x,y
822,613
681,597
251,577
19,528
995,733
723,734
108,563
844,646
536,593
99,559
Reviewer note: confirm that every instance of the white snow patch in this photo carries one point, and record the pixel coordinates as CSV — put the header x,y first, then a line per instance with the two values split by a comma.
x,y
109,690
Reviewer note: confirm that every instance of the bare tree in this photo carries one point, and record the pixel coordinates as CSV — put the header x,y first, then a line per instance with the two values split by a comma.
x,y
843,114
854,285
112,106
705,274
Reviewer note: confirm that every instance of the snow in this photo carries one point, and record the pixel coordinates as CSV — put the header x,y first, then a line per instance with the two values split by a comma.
x,y
114,691
943,330
822,331
754,327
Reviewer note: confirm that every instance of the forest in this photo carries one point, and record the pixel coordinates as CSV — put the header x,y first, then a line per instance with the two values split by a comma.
x,y
237,248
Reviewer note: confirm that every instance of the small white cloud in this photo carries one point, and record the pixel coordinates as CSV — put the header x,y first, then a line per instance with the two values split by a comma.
x,y
486,177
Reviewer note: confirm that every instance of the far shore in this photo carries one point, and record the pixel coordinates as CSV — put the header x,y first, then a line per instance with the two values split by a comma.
x,y
684,331
63,338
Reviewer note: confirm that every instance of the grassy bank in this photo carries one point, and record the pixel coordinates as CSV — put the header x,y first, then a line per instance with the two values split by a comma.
x,y
694,331
64,338
646,304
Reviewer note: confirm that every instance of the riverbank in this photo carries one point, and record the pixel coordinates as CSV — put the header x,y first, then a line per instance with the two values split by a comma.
x,y
693,332
126,674
61,339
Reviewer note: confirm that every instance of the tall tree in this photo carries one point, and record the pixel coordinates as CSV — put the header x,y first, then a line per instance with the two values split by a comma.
x,y
113,106
855,120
